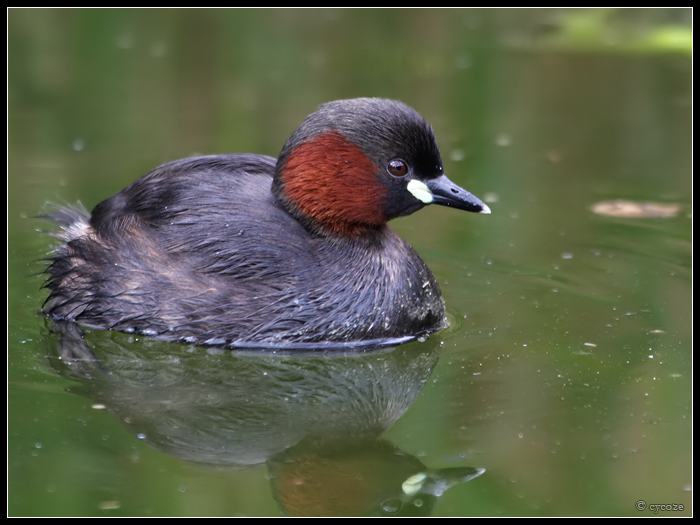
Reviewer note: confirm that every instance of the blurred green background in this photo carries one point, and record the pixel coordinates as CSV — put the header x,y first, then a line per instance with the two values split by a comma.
x,y
567,370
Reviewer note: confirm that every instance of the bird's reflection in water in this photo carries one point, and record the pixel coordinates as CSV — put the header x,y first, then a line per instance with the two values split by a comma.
x,y
314,419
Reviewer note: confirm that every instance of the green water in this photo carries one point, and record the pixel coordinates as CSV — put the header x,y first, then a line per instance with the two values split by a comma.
x,y
566,373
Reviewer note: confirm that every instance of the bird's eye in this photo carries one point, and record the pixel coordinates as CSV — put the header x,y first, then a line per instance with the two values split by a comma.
x,y
397,168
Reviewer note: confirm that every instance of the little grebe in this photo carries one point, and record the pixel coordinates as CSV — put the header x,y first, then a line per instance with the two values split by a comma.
x,y
246,250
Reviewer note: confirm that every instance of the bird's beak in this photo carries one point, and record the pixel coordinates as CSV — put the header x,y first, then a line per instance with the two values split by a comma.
x,y
446,193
